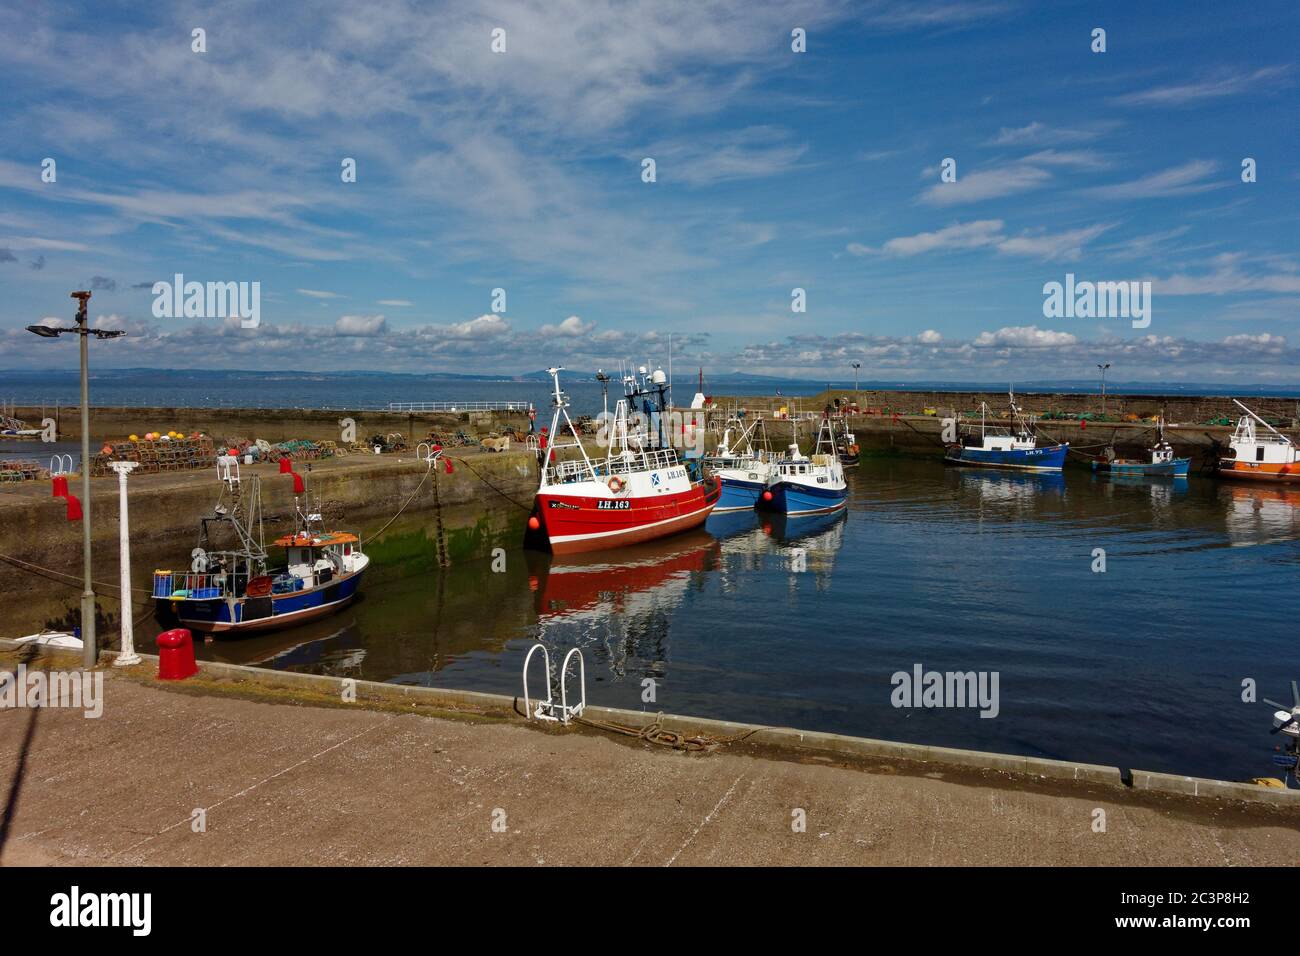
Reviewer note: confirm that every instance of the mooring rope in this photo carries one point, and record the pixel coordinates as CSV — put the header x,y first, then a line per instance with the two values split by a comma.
x,y
508,498
655,733
409,499
60,578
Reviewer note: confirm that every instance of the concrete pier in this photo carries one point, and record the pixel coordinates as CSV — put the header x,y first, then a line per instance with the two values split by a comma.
x,y
235,768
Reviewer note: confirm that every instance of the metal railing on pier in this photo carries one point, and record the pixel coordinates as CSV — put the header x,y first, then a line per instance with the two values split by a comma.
x,y
458,406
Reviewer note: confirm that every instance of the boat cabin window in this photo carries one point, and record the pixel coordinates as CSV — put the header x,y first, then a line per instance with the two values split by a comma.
x,y
1259,452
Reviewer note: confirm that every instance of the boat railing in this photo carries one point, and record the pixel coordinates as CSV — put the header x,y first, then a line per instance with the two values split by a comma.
x,y
642,461
188,584
564,472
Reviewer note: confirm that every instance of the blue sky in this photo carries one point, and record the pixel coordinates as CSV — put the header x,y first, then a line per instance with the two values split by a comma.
x,y
775,170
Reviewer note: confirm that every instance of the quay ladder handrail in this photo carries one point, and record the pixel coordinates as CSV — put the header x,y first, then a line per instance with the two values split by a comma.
x,y
547,709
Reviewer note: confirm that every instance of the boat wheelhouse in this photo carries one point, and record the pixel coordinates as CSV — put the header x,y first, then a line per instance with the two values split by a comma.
x,y
1259,456
807,485
1007,447
743,469
637,492
232,592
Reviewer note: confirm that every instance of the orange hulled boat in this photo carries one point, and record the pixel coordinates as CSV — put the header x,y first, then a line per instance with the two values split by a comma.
x,y
1259,456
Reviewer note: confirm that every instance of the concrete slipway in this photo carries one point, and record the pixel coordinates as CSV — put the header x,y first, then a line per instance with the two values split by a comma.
x,y
286,773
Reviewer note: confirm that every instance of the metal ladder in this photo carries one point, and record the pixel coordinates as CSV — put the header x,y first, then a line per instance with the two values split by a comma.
x,y
548,709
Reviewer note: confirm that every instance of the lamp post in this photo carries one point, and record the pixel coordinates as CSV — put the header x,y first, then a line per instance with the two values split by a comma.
x,y
128,656
90,650
1103,386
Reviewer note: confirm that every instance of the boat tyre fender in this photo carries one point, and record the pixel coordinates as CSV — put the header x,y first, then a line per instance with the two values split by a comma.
x,y
616,484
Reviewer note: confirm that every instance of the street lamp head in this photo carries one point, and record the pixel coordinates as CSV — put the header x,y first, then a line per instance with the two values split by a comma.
x,y
46,331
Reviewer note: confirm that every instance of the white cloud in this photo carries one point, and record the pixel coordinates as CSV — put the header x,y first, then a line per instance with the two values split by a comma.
x,y
929,337
1223,84
569,328
1263,340
969,235
752,153
488,325
1226,276
988,234
986,184
1037,133
398,303
1066,245
318,294
1024,336
1182,180
360,325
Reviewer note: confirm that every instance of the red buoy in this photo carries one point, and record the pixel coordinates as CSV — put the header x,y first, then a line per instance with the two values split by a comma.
x,y
767,496
533,523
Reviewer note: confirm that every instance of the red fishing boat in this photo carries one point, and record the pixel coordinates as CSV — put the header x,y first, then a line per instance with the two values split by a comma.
x,y
640,490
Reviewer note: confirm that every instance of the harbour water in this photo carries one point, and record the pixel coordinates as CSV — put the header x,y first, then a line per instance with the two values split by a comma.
x,y
804,622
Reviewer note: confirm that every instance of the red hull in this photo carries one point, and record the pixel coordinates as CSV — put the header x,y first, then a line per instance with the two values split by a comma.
x,y
573,524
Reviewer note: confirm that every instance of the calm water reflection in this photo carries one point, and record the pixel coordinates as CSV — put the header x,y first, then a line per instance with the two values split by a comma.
x,y
803,621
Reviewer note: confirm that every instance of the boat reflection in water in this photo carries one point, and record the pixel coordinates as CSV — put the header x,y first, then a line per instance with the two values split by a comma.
x,y
752,540
1260,514
1009,488
314,649
619,603
1161,490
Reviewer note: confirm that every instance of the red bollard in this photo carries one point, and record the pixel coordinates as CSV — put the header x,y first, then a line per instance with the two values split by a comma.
x,y
298,486
286,466
176,655
60,486
74,508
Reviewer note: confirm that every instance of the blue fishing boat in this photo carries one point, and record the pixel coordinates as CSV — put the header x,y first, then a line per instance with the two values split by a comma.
x,y
801,485
743,469
1163,464
999,446
232,592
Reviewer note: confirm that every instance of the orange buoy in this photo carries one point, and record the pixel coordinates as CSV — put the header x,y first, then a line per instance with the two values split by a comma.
x,y
767,496
533,523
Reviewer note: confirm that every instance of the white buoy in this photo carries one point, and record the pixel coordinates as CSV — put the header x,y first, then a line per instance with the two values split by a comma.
x,y
128,656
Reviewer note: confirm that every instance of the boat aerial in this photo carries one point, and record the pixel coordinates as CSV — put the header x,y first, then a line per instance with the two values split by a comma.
x,y
1257,456
1001,447
640,490
743,469
1163,464
232,592
801,485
